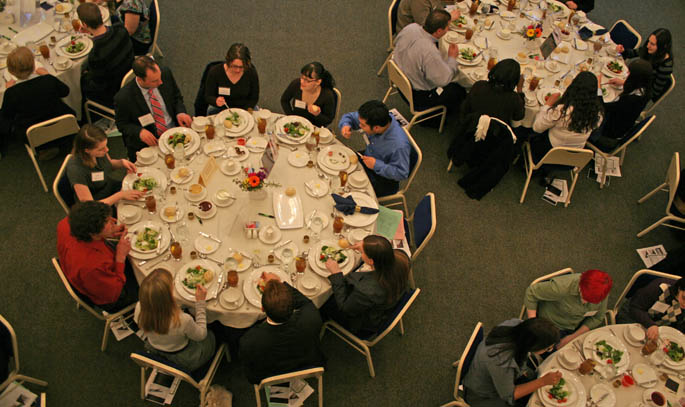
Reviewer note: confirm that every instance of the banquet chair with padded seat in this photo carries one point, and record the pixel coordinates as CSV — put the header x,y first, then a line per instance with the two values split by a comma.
x,y
640,279
8,339
96,312
546,277
338,103
671,185
62,189
651,108
200,103
576,158
415,159
155,19
400,83
201,379
419,229
45,132
316,372
392,31
464,362
633,134
101,110
623,33
364,346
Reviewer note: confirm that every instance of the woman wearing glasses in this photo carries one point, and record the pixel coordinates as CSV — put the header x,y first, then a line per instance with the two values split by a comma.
x,y
311,96
234,83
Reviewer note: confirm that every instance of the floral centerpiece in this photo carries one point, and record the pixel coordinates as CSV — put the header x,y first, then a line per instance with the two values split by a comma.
x,y
254,180
532,32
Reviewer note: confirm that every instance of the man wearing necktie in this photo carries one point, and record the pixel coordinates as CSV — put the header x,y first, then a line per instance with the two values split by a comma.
x,y
148,106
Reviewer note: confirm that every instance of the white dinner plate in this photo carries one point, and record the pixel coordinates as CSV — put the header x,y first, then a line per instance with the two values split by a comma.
x,y
357,219
206,245
288,210
189,147
63,43
335,157
570,385
63,8
474,61
468,22
563,12
175,175
164,242
252,293
542,92
598,391
589,350
612,74
181,273
178,214
316,188
320,268
672,334
246,121
298,158
319,161
146,172
289,139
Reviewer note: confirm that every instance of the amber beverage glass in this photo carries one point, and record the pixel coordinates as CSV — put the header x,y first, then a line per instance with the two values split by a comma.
x,y
338,224
533,83
151,203
261,125
76,24
343,178
209,131
511,4
300,264
170,161
474,8
468,34
44,51
176,250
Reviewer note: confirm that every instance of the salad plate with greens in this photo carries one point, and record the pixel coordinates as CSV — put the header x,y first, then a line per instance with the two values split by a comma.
x,y
608,351
145,180
179,136
74,46
148,239
673,345
293,130
236,122
566,392
469,55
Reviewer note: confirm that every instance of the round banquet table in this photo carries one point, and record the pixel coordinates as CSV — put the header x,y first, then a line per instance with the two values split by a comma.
x,y
228,223
602,378
567,63
42,25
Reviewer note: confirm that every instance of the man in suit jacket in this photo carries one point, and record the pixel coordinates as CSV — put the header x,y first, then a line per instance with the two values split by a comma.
x,y
289,338
149,105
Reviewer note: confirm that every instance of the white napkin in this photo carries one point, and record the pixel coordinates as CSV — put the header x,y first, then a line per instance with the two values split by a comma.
x,y
213,147
256,142
592,26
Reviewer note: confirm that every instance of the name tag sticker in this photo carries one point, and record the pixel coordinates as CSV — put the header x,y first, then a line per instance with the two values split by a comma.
x,y
146,120
224,91
300,104
589,313
97,176
659,307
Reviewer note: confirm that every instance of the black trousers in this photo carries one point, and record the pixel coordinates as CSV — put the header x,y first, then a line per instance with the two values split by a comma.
x,y
452,95
382,186
129,292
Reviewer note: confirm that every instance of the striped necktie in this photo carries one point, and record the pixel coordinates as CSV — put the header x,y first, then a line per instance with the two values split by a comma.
x,y
157,113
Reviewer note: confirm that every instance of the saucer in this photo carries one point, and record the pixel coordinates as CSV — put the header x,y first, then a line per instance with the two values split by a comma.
x,y
232,298
309,280
231,264
135,217
316,188
319,215
174,176
225,170
206,245
363,184
629,340
326,136
292,246
357,235
274,238
222,203
231,153
502,36
66,66
208,214
549,66
179,214
200,197
298,158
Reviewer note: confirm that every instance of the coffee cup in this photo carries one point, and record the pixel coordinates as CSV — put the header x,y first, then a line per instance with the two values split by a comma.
x,y
636,333
357,178
195,190
269,232
570,357
61,61
262,114
553,65
325,136
127,212
308,282
205,206
200,122
505,33
146,154
223,196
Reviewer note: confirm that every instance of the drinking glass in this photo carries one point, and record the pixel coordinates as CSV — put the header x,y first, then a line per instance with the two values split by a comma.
x,y
317,135
44,51
343,179
151,203
209,131
179,153
311,145
300,264
176,250
338,224
76,25
492,60
597,46
170,161
317,225
261,125
468,34
287,257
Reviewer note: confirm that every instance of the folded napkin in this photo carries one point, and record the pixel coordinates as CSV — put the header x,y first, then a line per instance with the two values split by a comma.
x,y
348,206
213,147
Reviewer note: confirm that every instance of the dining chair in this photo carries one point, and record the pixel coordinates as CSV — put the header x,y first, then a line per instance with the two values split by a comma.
x,y
338,103
155,21
9,337
45,132
415,159
316,372
97,313
546,277
651,108
632,135
623,33
62,189
106,112
419,229
364,346
577,158
400,83
464,363
201,379
392,20
670,186
127,78
200,103
640,279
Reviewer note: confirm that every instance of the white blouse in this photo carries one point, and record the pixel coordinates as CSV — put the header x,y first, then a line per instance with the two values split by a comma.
x,y
559,135
178,336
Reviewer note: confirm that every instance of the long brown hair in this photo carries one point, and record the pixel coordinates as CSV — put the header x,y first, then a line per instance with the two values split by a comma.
x,y
391,270
158,309
87,139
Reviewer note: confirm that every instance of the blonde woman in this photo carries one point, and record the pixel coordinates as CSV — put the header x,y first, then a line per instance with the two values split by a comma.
x,y
90,169
170,332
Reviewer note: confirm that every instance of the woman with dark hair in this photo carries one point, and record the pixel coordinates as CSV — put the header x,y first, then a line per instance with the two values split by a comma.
x,y
135,14
234,83
311,96
621,114
569,120
363,299
496,97
498,375
657,50
90,168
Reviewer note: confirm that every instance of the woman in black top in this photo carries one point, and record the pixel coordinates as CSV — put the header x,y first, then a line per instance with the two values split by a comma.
x,y
657,51
234,83
363,300
311,96
496,97
621,114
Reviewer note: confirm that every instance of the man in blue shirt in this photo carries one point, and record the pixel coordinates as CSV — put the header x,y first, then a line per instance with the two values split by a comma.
x,y
386,158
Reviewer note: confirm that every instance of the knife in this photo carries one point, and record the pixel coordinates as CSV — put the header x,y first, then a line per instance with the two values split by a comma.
x,y
219,285
278,246
165,258
311,218
208,236
602,398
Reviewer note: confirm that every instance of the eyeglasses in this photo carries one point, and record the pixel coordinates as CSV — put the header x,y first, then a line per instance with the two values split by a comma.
x,y
237,67
307,79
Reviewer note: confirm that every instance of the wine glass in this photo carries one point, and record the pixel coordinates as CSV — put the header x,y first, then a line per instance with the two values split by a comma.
x,y
287,258
317,226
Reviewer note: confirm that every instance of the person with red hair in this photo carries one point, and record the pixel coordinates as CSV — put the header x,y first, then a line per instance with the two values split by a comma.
x,y
575,303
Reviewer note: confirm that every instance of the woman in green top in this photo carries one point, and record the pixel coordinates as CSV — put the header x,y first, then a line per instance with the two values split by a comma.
x,y
135,14
90,169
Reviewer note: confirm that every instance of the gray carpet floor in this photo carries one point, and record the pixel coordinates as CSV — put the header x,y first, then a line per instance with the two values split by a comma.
x,y
476,268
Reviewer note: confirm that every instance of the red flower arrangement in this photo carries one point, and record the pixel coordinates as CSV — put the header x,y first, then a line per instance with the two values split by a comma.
x,y
254,180
532,32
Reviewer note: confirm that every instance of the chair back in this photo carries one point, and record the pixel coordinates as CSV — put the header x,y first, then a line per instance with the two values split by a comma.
x,y
623,33
8,339
154,25
662,97
546,277
392,21
316,372
152,361
127,78
640,279
200,103
424,223
73,293
401,82
62,189
44,132
672,179
415,159
401,308
574,157
338,102
468,355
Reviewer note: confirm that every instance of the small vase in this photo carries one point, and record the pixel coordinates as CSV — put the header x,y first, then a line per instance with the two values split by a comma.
x,y
532,45
257,195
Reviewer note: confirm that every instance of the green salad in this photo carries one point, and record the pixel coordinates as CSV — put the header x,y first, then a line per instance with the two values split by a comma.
x,y
147,240
460,22
674,351
75,46
197,275
178,138
329,252
558,393
608,353
467,54
295,129
555,7
234,118
144,184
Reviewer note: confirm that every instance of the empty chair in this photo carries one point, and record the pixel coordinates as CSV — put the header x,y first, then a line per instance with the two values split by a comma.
x,y
392,19
316,372
400,83
639,280
415,159
623,33
9,338
576,158
632,135
45,132
464,362
651,108
670,186
545,278
364,345
419,229
99,314
62,189
155,20
200,379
